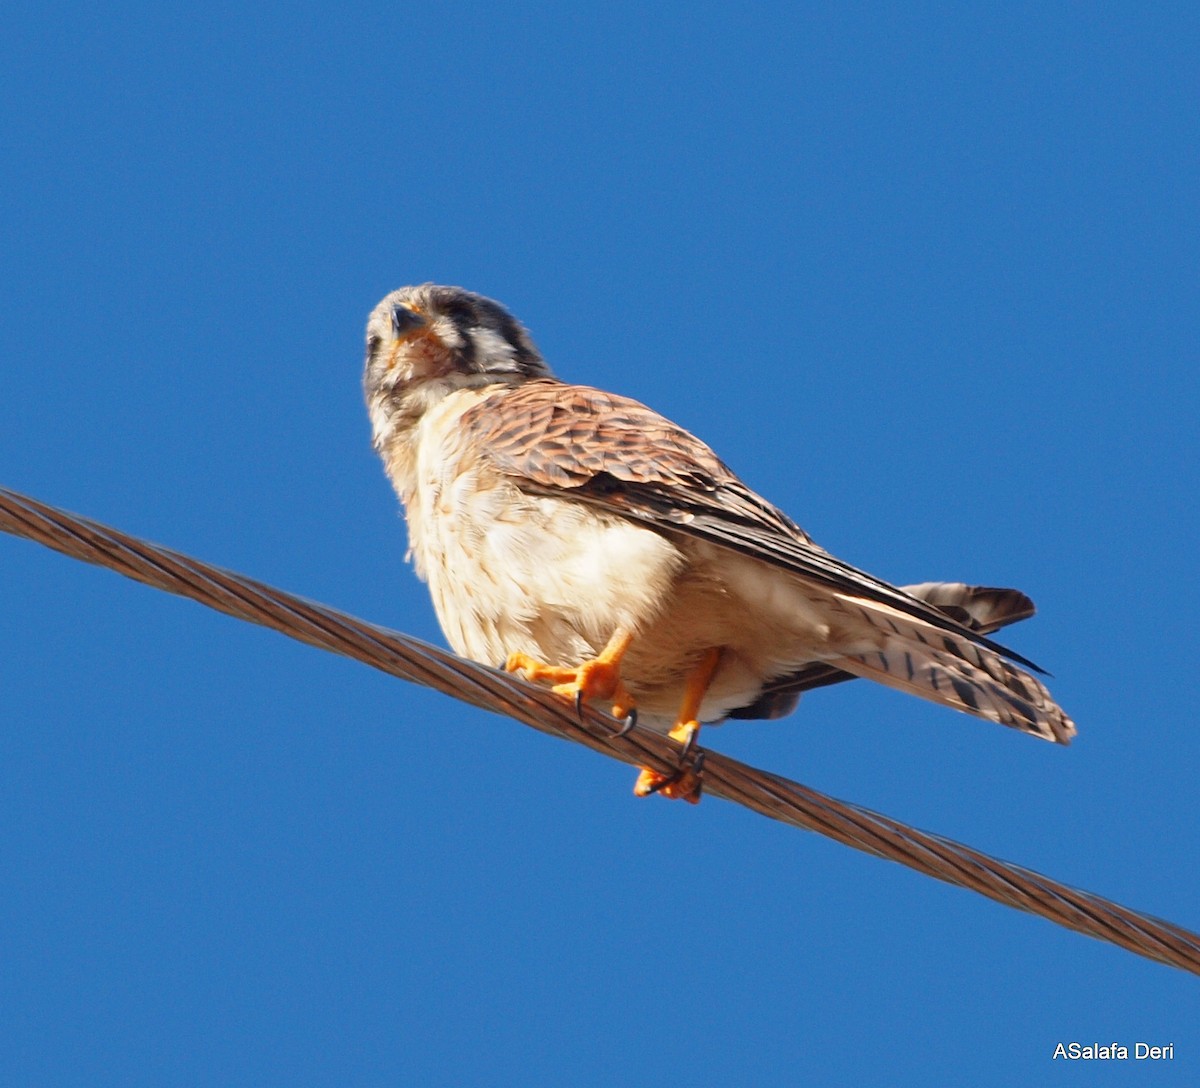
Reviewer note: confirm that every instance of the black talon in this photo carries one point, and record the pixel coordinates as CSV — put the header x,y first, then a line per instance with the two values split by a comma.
x,y
670,780
697,769
629,724
579,704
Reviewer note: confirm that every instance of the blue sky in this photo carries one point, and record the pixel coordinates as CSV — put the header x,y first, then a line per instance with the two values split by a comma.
x,y
925,275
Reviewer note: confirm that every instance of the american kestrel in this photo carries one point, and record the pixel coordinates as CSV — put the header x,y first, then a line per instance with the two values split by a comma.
x,y
581,538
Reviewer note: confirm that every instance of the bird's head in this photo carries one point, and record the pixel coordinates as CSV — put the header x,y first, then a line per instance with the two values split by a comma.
x,y
424,342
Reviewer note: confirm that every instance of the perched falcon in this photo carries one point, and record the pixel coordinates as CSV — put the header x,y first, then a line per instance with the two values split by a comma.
x,y
581,538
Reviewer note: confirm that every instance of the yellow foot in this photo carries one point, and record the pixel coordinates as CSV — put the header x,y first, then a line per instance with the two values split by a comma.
x,y
599,678
684,784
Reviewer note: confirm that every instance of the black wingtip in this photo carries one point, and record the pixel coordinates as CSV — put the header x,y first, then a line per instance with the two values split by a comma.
x,y
1012,655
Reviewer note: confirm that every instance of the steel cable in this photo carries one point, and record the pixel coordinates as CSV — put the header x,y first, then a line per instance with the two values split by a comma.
x,y
493,690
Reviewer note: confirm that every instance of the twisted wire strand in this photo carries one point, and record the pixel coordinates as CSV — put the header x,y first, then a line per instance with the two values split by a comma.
x,y
494,690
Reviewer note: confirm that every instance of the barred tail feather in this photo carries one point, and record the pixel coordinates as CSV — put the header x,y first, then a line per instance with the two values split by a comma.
x,y
920,659
981,608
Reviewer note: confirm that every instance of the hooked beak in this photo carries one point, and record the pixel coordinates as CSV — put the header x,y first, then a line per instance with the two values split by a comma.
x,y
406,321
415,346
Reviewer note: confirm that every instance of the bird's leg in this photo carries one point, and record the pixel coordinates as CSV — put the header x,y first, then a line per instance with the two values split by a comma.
x,y
599,678
685,782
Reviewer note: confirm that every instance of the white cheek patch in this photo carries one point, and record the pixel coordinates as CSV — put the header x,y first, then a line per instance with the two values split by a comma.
x,y
492,351
447,332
